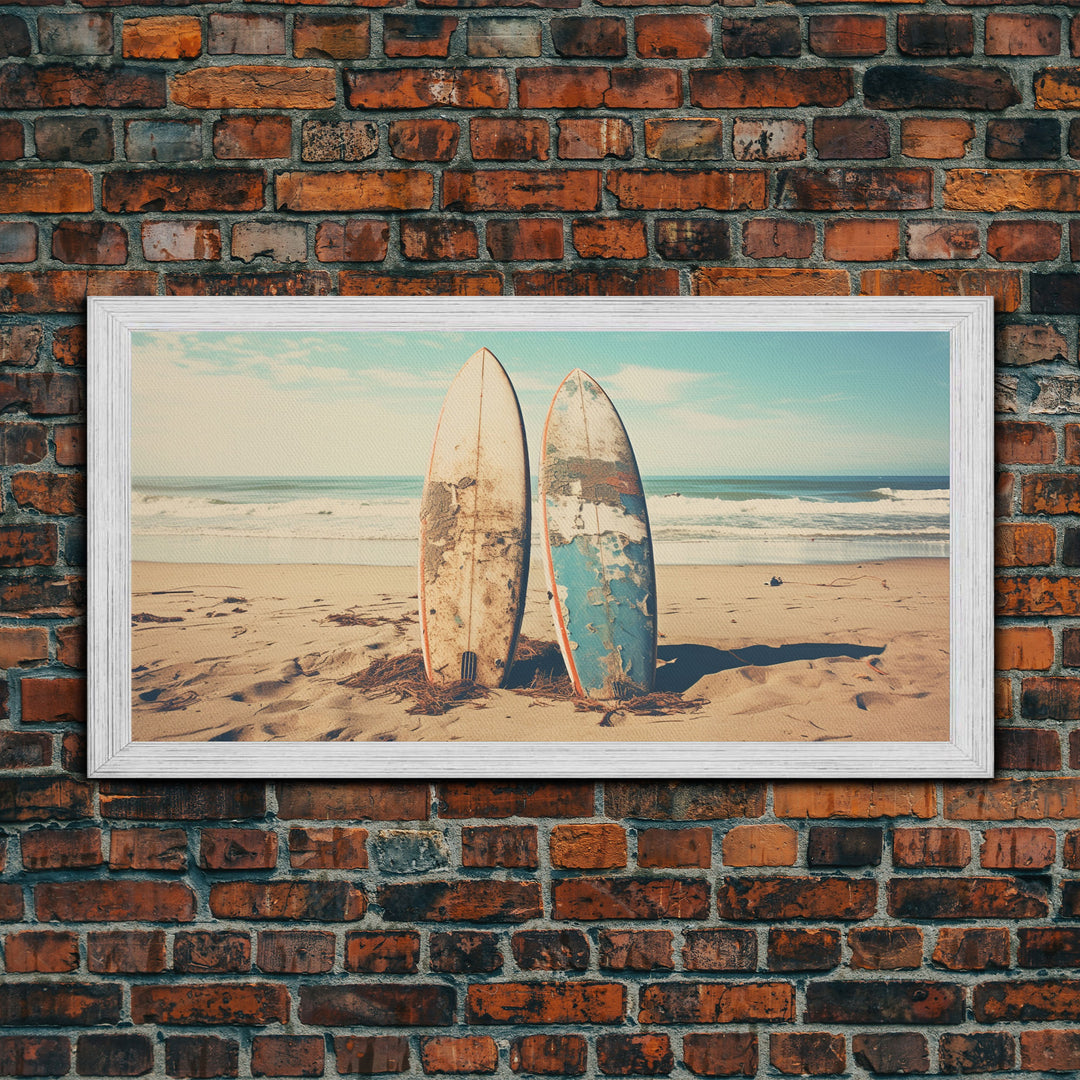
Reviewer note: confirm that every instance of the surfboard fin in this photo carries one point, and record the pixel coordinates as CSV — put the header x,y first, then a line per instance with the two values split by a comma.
x,y
468,666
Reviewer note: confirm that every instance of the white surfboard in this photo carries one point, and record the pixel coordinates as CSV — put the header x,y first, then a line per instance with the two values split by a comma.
x,y
475,529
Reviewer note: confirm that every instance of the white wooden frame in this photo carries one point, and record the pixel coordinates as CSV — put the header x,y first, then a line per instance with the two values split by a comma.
x,y
968,753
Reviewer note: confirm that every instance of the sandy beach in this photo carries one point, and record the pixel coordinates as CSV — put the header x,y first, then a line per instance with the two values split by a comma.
x,y
236,652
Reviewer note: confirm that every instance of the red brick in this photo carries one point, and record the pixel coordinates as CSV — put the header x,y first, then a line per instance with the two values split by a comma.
x,y
715,1003
295,952
795,898
1070,851
807,1053
464,951
684,140
760,845
767,140
1025,799
1049,946
22,444
670,800
338,36
590,88
1027,999
1028,648
862,240
429,283
610,238
175,241
201,951
594,138
653,189
482,799
770,281
670,848
668,37
922,137
41,951
417,35
28,545
21,645
254,87
778,35
1009,189
1023,443
382,952
885,948
56,597
520,239
578,37
1038,596
126,951
461,1054
968,898
114,901
972,948
252,1004
18,241
942,240
201,1056
34,1055
847,35
843,799
768,87
162,37
500,139
47,701
423,139
371,1054
376,1004
550,950
332,847
1002,285
115,1054
935,35
25,750
1025,344
438,239
1023,544
45,191
720,950
323,901
59,1003
642,1054
250,137
188,801
148,849
777,238
1050,1051
11,902
182,190
465,900
1023,241
567,1002
635,950
721,1054
67,86
347,800
629,898
854,137
1022,35
371,189
881,189
693,239
803,950
1027,748
981,1052
549,1055
354,240
422,88
287,1055
853,1001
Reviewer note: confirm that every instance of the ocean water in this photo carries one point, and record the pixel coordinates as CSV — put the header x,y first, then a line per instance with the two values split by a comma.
x,y
695,520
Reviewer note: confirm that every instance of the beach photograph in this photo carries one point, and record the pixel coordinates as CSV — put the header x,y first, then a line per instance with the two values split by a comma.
x,y
624,536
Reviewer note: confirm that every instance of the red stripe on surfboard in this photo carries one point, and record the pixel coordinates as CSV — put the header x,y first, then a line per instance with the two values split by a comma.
x,y
549,566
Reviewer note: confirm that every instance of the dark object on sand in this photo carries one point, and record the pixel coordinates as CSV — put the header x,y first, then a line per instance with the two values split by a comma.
x,y
776,581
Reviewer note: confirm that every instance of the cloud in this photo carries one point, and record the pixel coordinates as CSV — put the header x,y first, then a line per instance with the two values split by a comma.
x,y
657,386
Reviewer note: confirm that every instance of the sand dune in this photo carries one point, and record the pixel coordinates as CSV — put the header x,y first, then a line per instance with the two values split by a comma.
x,y
239,653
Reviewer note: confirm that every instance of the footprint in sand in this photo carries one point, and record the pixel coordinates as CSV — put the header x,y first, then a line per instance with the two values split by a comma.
x,y
869,699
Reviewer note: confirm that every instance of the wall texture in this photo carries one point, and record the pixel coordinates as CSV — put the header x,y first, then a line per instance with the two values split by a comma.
x,y
539,146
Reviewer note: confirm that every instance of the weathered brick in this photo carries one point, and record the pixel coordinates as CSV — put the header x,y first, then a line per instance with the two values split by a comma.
x,y
75,34
1023,140
203,951
369,1055
181,241
640,1054
650,189
854,1001
18,241
34,1055
684,140
568,1002
892,1053
254,87
885,948
372,189
47,951
550,950
287,1055
14,36
667,800
332,847
66,86
512,190
244,32
795,898
1027,999
767,140
942,240
1057,88
1021,345
936,139
777,238
25,750
421,88
498,36
162,37
278,241
253,1004
972,948
935,35
171,191
338,140
114,901
672,848
133,800
760,845
721,1053
238,849
594,138
848,846
1028,648
853,800
1036,595
61,849
854,189
549,1055
1002,285
201,1056
847,35
442,1054
379,952
423,140
595,87
427,283
853,137
983,1051
629,898
715,1003
665,37
124,951
967,898
1046,946
508,139
512,240
466,900
293,952
345,36
777,35
249,137
148,849
1010,189
323,901
807,1053
1050,1051
889,86
862,240
1022,35
803,950
720,950
1033,749
635,950
464,951
693,239
588,846
578,36
116,1054
354,240
769,87
380,1004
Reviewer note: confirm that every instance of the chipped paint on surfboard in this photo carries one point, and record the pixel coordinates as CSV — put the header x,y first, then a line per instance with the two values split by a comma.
x,y
475,529
597,544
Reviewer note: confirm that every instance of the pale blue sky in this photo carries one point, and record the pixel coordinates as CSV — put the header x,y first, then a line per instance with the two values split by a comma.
x,y
720,404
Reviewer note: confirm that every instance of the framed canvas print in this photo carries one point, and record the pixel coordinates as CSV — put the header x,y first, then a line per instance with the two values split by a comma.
x,y
709,537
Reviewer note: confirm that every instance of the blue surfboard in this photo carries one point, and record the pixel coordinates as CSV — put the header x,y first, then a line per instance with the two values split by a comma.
x,y
597,545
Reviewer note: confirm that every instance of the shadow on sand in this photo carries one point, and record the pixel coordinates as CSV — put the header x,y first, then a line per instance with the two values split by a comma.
x,y
683,665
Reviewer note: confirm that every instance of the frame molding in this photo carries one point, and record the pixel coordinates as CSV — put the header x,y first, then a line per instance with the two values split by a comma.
x,y
967,754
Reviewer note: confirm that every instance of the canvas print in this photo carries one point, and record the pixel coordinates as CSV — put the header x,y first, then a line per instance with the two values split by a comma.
x,y
540,536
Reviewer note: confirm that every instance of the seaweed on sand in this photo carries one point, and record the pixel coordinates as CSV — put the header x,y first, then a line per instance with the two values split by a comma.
x,y
537,672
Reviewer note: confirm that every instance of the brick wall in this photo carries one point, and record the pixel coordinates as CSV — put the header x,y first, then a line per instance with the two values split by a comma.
x,y
540,146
